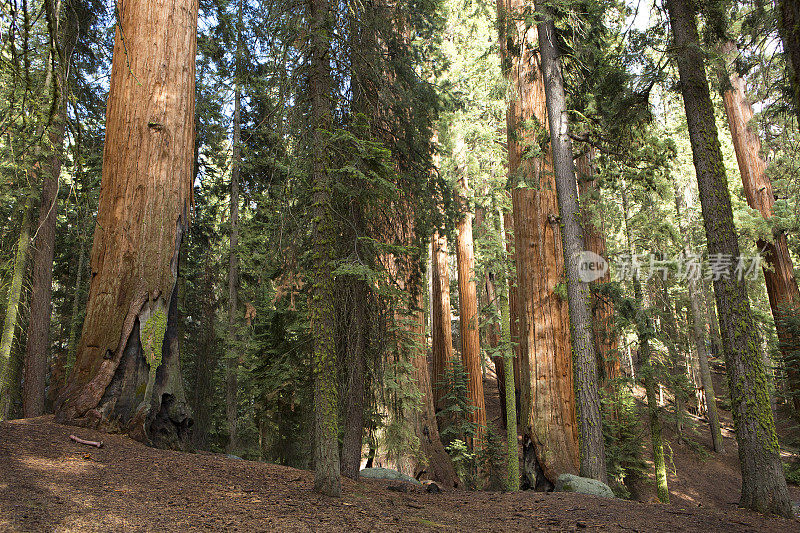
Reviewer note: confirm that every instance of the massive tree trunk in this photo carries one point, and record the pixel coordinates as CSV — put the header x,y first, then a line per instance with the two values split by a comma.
x,y
548,399
763,482
326,435
592,449
789,28
698,336
441,332
7,374
784,296
468,319
127,372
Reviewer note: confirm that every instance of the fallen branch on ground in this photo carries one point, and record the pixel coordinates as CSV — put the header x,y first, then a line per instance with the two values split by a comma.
x,y
87,442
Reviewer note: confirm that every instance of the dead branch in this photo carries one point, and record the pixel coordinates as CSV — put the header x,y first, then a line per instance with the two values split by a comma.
x,y
86,442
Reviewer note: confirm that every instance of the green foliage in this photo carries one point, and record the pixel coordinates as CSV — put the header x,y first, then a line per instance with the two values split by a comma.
x,y
623,434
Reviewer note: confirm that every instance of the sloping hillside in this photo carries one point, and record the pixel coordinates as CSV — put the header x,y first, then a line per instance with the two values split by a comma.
x,y
49,483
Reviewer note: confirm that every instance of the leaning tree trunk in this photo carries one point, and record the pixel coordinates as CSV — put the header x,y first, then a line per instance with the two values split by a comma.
x,y
763,483
789,28
326,435
127,371
468,314
712,319
784,296
698,336
441,332
7,374
592,449
548,398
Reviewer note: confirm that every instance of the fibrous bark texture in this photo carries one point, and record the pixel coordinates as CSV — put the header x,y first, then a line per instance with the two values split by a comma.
x,y
441,332
548,399
468,313
784,296
127,371
763,482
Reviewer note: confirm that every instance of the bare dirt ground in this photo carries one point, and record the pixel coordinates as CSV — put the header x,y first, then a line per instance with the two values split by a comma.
x,y
49,483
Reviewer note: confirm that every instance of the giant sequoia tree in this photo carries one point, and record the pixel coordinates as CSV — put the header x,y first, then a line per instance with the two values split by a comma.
x,y
127,372
763,483
548,399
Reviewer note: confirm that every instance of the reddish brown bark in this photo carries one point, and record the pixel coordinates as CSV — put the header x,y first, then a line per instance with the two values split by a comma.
x,y
441,332
468,314
548,410
127,371
595,240
778,269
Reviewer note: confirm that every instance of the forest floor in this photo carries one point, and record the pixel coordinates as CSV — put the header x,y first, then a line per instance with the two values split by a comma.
x,y
49,483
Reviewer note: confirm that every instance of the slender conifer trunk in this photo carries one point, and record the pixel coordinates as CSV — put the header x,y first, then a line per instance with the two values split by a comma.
x,y
7,374
592,449
763,483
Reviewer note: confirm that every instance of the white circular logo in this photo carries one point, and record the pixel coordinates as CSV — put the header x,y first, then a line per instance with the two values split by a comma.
x,y
591,266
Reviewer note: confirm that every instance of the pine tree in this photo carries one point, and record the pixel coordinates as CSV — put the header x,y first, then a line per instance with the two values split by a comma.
x,y
326,446
763,483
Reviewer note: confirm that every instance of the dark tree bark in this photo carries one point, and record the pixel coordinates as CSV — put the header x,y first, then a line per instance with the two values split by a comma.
x,y
326,428
127,371
789,28
592,449
357,335
232,356
38,342
763,482
206,361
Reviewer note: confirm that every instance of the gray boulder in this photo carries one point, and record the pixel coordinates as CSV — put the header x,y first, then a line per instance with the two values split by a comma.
x,y
582,485
387,473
